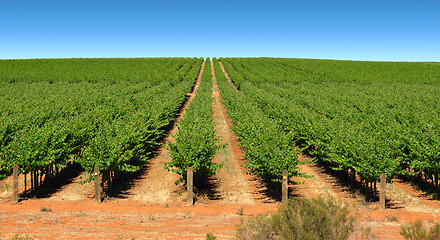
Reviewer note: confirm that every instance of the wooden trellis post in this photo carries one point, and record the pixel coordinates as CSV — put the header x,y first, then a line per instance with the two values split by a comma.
x,y
285,186
97,176
15,184
189,185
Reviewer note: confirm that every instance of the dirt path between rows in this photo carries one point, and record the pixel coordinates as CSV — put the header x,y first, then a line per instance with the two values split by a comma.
x,y
258,188
76,190
227,75
319,183
234,185
411,193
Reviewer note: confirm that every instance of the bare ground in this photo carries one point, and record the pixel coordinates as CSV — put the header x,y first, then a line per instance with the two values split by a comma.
x,y
124,219
258,188
78,189
233,184
6,187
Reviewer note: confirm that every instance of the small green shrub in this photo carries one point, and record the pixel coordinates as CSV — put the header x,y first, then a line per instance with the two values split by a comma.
x,y
240,211
416,231
25,237
392,218
301,218
45,209
210,236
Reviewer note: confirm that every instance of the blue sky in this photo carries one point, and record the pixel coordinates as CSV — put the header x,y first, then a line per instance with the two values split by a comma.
x,y
354,30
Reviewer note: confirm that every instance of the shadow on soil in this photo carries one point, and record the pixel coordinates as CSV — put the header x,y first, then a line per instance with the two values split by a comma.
x,y
269,192
54,184
344,182
208,189
391,205
423,185
122,183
